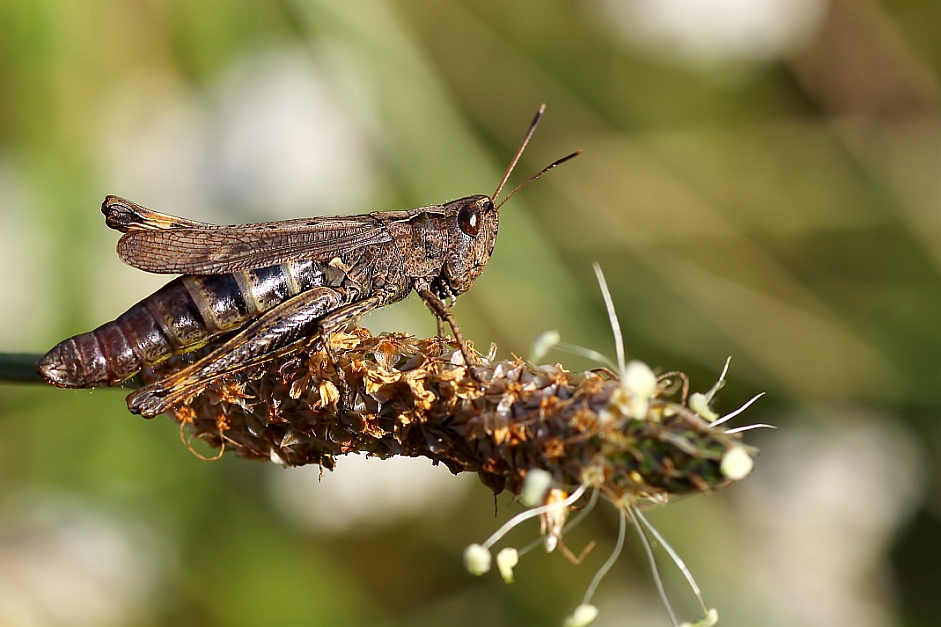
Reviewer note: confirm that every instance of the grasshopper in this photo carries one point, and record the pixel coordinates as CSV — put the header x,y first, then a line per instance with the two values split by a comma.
x,y
256,290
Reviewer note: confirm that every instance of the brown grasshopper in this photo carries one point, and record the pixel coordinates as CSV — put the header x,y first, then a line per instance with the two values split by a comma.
x,y
258,289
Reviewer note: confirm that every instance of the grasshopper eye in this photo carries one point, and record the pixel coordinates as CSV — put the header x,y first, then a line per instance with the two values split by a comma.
x,y
469,220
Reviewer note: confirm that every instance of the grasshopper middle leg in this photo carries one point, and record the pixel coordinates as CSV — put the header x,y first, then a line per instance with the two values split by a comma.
x,y
442,312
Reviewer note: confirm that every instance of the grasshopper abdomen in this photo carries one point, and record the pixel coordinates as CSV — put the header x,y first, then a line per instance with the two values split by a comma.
x,y
183,315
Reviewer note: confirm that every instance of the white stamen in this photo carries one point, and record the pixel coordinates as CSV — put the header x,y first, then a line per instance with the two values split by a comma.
x,y
619,545
612,316
587,353
592,501
721,382
531,513
750,427
633,511
735,413
571,524
700,403
675,556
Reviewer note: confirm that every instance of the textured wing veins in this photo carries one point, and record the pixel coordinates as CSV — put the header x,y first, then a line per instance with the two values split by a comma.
x,y
156,242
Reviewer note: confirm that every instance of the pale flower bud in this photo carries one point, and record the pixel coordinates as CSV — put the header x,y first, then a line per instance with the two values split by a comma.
x,y
476,559
583,615
507,559
535,486
543,344
552,521
736,463
699,403
709,620
640,382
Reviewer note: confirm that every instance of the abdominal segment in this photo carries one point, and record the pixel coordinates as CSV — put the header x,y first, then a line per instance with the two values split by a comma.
x,y
183,315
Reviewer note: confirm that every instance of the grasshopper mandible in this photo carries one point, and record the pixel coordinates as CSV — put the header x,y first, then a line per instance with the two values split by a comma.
x,y
270,285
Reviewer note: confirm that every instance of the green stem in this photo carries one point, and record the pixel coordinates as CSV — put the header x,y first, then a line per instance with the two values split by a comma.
x,y
19,367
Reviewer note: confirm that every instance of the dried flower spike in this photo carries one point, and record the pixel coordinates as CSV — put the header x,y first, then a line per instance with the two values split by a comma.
x,y
406,396
543,433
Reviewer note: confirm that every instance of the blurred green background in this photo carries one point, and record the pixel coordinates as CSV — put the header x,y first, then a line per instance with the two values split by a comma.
x,y
760,179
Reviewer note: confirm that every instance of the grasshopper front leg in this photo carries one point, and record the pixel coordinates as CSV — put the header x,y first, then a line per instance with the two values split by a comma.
x,y
443,313
266,338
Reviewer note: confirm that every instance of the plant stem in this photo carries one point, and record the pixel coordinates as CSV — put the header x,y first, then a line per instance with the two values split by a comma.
x,y
19,367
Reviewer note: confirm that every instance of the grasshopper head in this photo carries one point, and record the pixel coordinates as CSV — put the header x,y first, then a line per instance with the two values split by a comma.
x,y
472,224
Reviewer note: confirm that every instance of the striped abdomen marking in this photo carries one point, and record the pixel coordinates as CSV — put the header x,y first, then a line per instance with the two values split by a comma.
x,y
183,315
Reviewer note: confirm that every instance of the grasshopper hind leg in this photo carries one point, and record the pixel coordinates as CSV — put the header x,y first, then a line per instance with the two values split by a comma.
x,y
266,338
336,320
123,215
320,311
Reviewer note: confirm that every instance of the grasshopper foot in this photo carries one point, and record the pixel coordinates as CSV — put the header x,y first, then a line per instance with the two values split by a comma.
x,y
147,401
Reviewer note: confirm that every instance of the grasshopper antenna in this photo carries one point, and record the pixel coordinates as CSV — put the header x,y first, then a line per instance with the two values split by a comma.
x,y
537,175
519,153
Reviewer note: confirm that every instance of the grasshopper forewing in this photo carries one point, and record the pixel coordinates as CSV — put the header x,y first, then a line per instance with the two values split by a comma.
x,y
258,289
